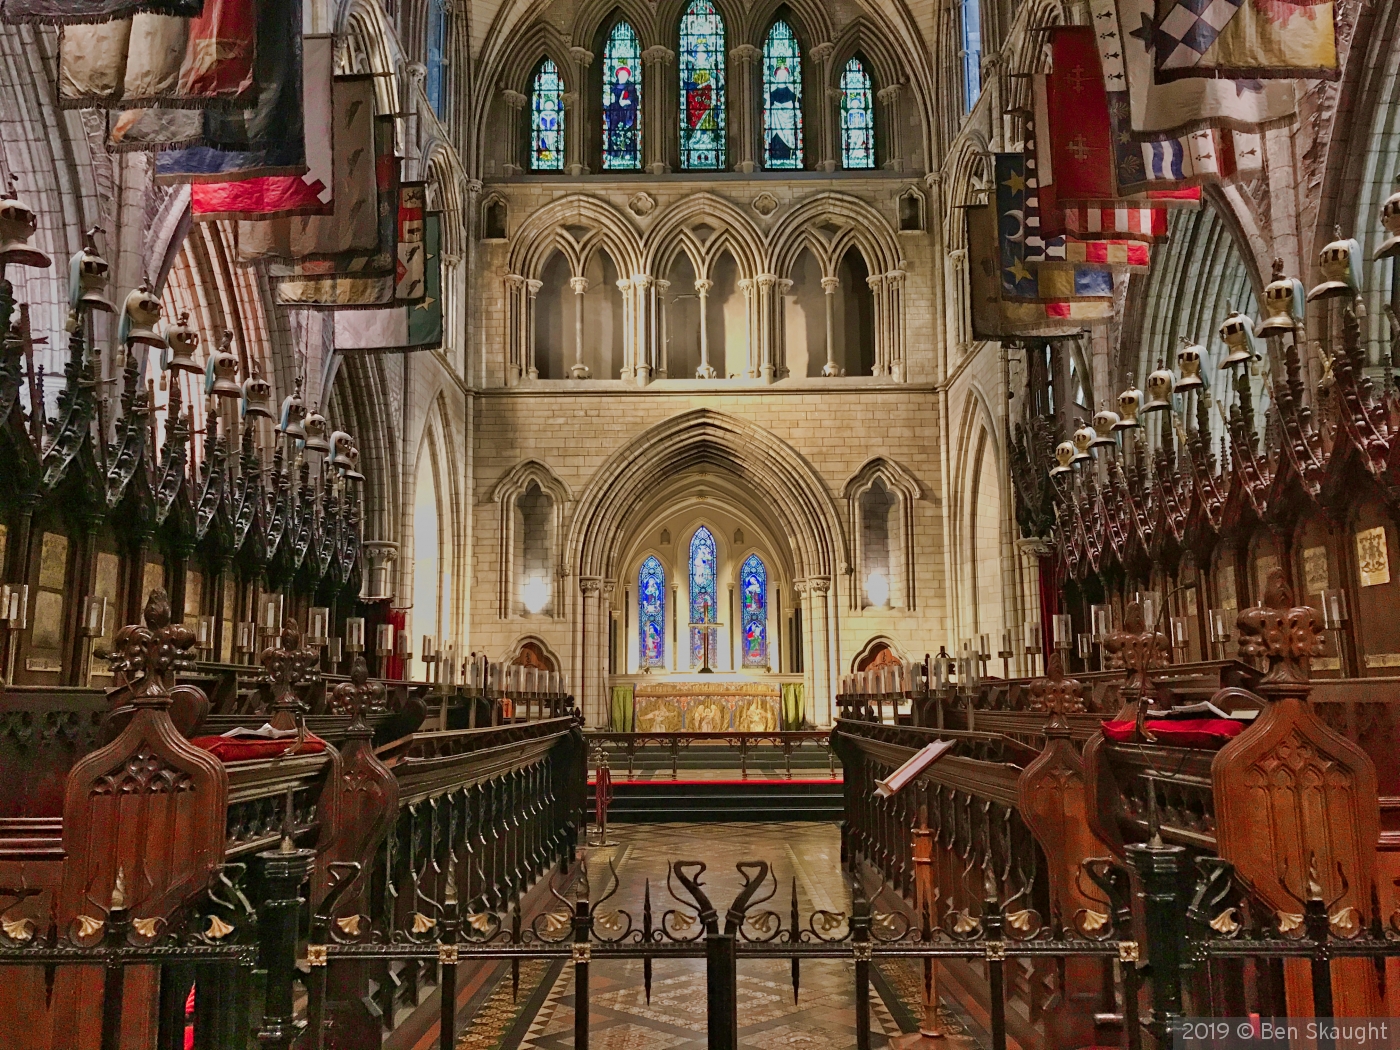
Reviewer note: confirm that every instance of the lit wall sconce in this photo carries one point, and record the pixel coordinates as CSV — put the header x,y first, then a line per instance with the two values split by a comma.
x,y
1151,603
1086,647
245,639
205,635
95,616
337,651
1062,631
1181,635
14,605
1220,620
318,625
271,621
384,639
354,634
403,646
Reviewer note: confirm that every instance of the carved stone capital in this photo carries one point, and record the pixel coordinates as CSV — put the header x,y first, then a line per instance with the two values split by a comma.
x,y
578,284
745,285
570,99
513,99
876,281
642,281
703,286
888,94
657,53
514,281
473,188
581,55
745,53
624,285
766,280
821,52
830,285
591,586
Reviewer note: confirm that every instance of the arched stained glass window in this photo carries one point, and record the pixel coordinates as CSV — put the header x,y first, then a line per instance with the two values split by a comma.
x,y
435,83
547,119
703,596
651,614
702,88
857,117
971,52
753,587
622,100
782,99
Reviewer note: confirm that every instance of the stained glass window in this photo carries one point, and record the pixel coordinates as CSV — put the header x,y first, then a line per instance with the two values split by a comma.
x,y
702,87
547,119
622,100
753,584
782,99
857,117
435,82
651,614
703,598
971,51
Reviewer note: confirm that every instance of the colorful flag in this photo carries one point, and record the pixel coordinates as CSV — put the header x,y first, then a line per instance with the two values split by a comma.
x,y
1127,29
77,12
1131,223
353,225
274,195
1076,133
160,60
1018,280
406,327
408,276
266,139
1244,39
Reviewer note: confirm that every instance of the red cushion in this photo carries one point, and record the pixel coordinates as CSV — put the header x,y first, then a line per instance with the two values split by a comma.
x,y
1209,733
245,749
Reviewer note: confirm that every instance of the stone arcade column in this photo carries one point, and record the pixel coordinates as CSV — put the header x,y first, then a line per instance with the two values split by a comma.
x,y
894,324
877,299
888,97
750,365
575,130
532,289
780,365
706,370
809,674
658,109
767,334
663,349
629,346
642,335
744,107
823,143
822,611
829,286
515,102
580,286
515,309
591,685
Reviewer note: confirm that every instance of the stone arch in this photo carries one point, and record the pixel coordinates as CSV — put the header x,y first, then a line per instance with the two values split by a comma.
x,y
592,16
733,229
515,483
879,651
1028,54
366,45
810,21
857,223
977,436
547,230
905,487
530,650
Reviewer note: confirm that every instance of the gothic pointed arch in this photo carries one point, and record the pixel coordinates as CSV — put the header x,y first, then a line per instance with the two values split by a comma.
x,y
722,225
538,236
854,222
532,501
880,499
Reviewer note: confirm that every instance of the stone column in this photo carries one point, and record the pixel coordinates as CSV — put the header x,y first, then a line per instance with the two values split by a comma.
x,y
532,288
663,346
514,325
780,364
809,683
894,322
641,320
765,282
515,103
829,286
594,637
877,297
629,349
576,130
750,366
580,286
744,107
706,370
894,154
658,109
823,649
821,133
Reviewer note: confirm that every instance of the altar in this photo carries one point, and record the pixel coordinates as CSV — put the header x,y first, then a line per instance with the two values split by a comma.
x,y
706,704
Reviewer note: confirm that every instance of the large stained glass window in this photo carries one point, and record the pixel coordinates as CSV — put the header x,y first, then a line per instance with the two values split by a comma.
x,y
547,119
753,584
857,117
703,596
434,84
971,52
651,614
782,99
702,88
622,100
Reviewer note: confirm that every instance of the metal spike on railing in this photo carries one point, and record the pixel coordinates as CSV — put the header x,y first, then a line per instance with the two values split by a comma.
x,y
646,937
796,963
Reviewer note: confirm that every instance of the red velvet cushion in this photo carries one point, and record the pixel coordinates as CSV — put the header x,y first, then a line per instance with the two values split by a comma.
x,y
245,749
1209,733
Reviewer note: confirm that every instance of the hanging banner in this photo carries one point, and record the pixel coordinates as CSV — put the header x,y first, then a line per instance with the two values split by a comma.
x,y
408,277
77,12
353,224
159,60
402,328
1160,110
266,139
1018,280
1245,39
277,195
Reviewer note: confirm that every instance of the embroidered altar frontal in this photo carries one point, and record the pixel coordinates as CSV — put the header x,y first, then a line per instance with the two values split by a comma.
x,y
708,707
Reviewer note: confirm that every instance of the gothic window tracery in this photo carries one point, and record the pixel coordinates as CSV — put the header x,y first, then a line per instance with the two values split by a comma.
x,y
782,99
434,85
702,102
651,614
857,117
547,119
622,100
753,589
703,595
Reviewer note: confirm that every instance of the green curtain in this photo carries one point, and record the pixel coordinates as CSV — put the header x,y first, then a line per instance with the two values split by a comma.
x,y
792,706
621,714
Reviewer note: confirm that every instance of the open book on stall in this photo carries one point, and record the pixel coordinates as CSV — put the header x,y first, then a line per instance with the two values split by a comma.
x,y
921,760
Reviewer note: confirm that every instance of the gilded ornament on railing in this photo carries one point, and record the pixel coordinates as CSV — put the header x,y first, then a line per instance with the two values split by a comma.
x,y
1287,636
148,657
1055,693
1140,647
289,664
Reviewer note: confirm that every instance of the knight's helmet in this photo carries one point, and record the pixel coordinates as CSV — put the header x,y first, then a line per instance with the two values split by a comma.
x,y
1105,420
1129,402
317,429
257,397
292,421
1064,456
140,315
1082,440
1339,263
87,276
1160,385
17,224
221,374
1284,301
1188,361
345,457
183,341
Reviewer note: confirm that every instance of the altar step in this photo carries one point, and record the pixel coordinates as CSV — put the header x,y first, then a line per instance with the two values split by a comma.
x,y
691,801
704,761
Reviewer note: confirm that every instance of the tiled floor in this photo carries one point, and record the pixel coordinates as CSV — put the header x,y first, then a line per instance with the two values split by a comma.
x,y
621,1018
